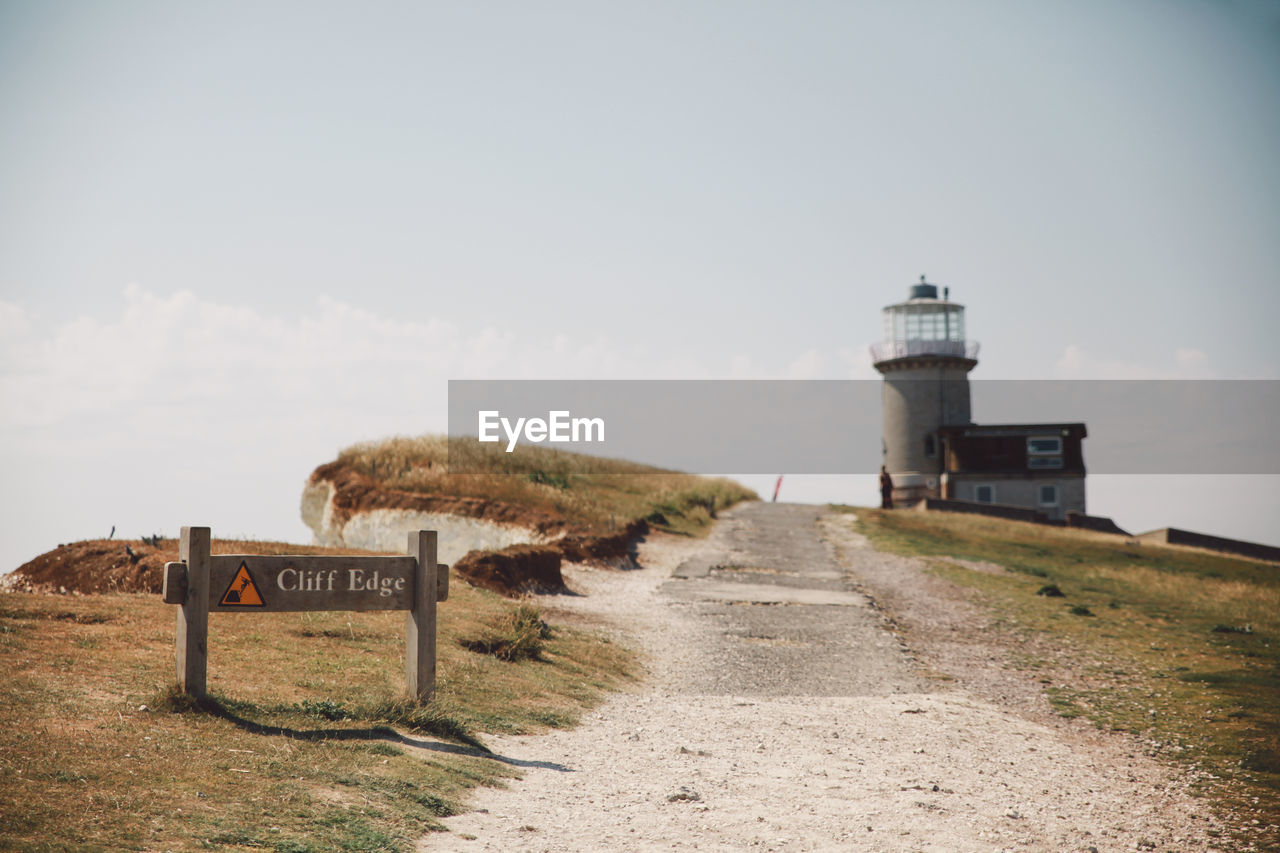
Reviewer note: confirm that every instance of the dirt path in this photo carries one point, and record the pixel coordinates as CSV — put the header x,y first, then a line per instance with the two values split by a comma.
x,y
782,714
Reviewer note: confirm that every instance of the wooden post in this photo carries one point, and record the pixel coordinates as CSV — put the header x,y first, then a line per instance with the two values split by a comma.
x,y
442,582
193,618
420,622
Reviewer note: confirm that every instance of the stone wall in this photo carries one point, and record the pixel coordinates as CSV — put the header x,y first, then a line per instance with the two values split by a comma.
x,y
1174,536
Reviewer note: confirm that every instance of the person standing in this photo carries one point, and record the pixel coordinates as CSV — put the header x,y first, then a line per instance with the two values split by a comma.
x,y
886,489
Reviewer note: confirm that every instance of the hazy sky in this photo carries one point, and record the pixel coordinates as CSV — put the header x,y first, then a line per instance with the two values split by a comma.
x,y
235,237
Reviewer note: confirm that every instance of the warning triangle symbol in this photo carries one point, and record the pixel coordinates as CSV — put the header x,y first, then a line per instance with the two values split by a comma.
x,y
243,592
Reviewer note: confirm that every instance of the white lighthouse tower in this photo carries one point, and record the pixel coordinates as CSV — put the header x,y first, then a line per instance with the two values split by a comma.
x,y
925,360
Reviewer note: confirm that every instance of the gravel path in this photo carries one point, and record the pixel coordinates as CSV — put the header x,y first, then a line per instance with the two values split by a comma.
x,y
783,713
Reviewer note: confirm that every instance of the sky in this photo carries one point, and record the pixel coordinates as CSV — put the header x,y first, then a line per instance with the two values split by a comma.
x,y
238,237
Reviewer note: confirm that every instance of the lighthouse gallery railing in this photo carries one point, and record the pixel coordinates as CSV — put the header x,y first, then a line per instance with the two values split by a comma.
x,y
887,350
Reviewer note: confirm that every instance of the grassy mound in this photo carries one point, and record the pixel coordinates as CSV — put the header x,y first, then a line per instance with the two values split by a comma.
x,y
590,494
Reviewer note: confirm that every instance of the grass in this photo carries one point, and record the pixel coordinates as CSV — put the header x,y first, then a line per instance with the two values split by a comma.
x,y
519,634
299,746
1177,646
594,493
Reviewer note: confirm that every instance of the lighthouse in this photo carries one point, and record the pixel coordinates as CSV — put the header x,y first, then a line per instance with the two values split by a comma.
x,y
925,360
932,448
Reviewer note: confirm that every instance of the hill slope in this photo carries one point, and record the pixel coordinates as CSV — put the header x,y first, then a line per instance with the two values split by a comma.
x,y
589,509
550,490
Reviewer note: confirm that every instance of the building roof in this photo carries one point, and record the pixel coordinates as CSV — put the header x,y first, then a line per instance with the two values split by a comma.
x,y
978,430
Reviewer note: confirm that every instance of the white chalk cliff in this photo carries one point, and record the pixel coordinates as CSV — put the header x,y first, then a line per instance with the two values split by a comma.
x,y
386,529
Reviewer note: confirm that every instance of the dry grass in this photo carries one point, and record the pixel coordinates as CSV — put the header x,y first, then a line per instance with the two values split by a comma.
x,y
298,751
597,493
1179,646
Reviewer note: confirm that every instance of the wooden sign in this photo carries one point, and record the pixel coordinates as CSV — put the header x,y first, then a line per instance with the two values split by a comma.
x,y
251,583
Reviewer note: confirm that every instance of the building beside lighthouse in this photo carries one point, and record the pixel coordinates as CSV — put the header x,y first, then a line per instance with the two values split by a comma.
x,y
931,446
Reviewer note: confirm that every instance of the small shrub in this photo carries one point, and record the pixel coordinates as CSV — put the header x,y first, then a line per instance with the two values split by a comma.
x,y
1034,571
326,709
1081,610
438,806
554,719
1264,760
518,635
428,719
1050,590
542,478
174,700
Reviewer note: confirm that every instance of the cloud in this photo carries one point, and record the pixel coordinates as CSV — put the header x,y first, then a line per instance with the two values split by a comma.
x,y
844,363
178,365
13,321
1187,363
187,358
808,365
1193,364
181,355
857,363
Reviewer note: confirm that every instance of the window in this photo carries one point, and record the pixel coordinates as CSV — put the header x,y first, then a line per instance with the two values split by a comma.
x,y
1044,445
1048,495
984,493
1044,461
930,447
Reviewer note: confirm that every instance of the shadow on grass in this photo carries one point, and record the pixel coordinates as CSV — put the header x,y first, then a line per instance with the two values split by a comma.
x,y
423,719
472,752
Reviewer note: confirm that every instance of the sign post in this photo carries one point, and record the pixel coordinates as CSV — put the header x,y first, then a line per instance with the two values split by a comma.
x,y
193,617
420,621
240,583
